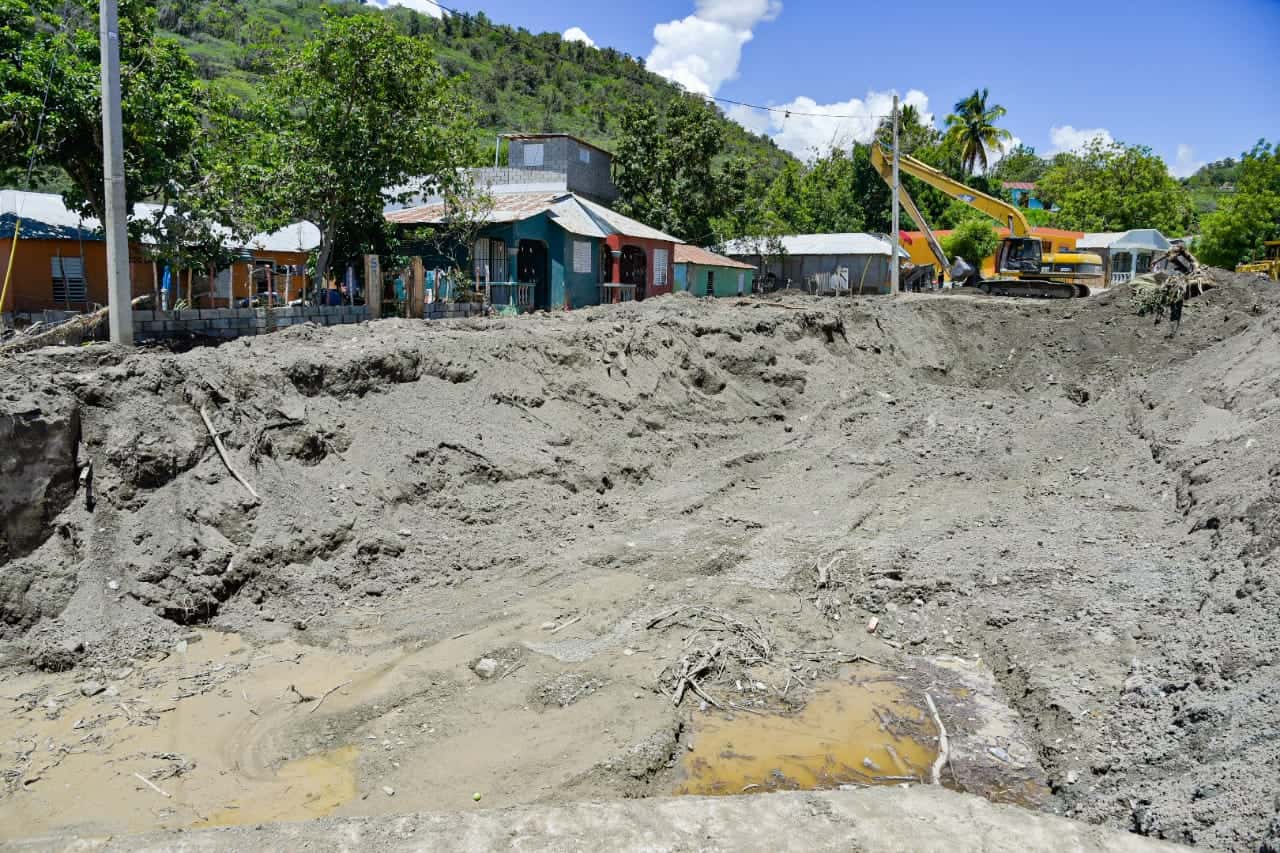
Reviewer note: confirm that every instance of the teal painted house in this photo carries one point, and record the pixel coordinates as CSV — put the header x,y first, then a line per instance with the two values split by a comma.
x,y
551,249
704,273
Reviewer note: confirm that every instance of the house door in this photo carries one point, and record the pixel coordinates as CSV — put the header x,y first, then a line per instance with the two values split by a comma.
x,y
711,283
634,268
531,268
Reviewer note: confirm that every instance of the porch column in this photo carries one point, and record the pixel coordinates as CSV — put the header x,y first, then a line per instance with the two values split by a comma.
x,y
373,286
616,277
417,289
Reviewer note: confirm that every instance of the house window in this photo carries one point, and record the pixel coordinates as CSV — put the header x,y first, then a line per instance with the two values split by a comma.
x,y
489,260
533,154
584,155
582,256
1144,263
1046,247
659,267
1122,262
68,280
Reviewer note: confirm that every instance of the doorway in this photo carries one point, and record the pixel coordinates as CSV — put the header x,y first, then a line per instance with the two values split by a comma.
x,y
531,268
634,268
711,283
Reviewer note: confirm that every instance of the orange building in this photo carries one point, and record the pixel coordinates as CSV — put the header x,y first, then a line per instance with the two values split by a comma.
x,y
1051,240
60,261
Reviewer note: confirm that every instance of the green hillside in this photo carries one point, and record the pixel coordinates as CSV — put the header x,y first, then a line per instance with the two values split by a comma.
x,y
520,81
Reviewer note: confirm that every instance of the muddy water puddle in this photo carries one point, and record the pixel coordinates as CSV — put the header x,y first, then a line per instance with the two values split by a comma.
x,y
200,739
873,727
867,731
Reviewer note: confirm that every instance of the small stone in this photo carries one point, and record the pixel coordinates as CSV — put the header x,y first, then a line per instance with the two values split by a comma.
x,y
870,765
1073,777
548,626
112,691
388,790
91,688
486,668
872,624
180,647
113,585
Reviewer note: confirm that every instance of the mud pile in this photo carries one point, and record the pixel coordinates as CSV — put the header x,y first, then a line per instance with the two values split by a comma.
x,y
1058,490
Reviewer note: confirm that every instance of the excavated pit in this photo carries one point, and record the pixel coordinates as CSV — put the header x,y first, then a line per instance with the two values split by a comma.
x,y
487,554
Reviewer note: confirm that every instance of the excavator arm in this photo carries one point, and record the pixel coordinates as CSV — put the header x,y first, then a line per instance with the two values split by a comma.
x,y
1001,211
886,172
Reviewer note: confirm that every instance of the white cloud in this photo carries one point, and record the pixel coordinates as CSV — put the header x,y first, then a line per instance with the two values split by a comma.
x,y
1185,163
703,50
578,34
1067,138
422,6
806,128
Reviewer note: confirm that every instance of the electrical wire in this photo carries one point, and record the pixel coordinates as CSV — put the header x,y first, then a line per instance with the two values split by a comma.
x,y
787,112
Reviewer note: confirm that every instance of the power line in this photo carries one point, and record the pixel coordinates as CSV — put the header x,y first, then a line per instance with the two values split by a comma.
x,y
788,113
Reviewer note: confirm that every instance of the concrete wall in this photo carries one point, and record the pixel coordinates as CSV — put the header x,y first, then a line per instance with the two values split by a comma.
x,y
693,278
238,322
589,170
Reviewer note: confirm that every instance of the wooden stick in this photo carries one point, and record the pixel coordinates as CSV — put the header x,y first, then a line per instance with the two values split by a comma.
x,y
222,451
564,625
698,689
326,695
935,773
151,785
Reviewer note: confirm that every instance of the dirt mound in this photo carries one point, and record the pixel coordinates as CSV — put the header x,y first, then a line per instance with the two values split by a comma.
x,y
1060,489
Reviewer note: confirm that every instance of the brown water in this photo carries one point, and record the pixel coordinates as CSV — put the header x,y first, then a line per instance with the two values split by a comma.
x,y
869,731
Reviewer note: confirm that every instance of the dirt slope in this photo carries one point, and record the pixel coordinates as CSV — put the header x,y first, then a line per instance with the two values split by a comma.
x,y
1084,505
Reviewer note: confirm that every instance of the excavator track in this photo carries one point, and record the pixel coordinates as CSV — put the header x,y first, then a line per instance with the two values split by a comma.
x,y
1033,288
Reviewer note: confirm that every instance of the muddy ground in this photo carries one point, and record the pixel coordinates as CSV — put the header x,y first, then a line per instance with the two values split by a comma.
x,y
484,556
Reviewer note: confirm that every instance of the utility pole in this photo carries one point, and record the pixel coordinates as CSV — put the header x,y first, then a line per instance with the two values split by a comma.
x,y
893,260
115,228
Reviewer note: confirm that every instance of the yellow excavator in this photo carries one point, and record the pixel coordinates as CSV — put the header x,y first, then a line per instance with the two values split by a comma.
x,y
1269,267
1022,268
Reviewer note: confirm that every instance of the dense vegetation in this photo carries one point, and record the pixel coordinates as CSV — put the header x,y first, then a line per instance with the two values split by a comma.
x,y
519,81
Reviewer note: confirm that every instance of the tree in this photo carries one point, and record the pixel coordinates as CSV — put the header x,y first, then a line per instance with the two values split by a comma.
x,y
360,117
972,128
1115,187
51,106
1021,164
662,167
973,240
1245,219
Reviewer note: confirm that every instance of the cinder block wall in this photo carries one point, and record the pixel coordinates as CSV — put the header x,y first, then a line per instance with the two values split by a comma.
x,y
237,322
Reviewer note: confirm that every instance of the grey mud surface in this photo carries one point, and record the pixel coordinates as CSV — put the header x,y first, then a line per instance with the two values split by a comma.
x,y
1086,508
919,820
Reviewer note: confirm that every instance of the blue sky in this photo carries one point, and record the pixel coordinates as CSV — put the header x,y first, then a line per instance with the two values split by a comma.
x,y
1195,81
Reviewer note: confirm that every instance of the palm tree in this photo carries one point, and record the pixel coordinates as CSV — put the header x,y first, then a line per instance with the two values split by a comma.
x,y
972,128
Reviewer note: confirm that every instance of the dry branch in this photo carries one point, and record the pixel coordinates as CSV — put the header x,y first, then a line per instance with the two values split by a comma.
x,y
222,452
326,695
935,773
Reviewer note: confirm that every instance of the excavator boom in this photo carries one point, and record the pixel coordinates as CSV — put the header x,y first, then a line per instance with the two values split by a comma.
x,y
1022,269
1001,211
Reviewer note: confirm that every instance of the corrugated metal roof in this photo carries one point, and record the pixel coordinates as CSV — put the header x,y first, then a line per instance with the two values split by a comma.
x,y
686,254
1143,239
1098,239
507,207
571,212
821,244
1018,185
624,225
46,216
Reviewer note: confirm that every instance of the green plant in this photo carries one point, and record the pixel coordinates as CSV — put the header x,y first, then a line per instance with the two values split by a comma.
x,y
973,240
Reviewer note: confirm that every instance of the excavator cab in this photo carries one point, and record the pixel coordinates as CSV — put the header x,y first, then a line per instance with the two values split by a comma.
x,y
1019,255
